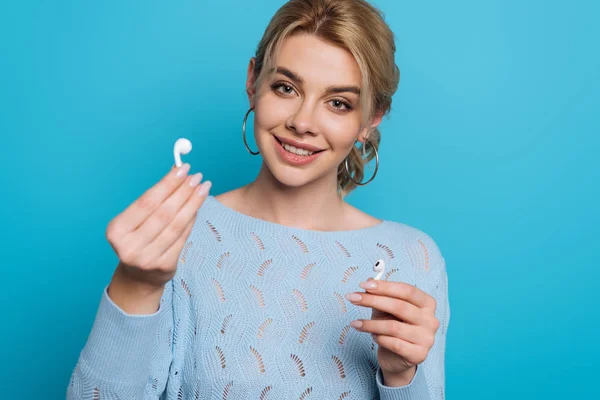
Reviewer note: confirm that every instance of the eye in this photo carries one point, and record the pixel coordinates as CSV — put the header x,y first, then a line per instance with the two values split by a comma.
x,y
283,88
340,105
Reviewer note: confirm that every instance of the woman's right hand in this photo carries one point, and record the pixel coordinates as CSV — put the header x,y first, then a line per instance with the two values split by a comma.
x,y
150,233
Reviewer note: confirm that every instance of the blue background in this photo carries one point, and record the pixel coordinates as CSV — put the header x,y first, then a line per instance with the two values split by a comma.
x,y
492,149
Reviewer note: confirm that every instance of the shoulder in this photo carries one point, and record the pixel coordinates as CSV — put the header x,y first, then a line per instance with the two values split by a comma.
x,y
418,246
357,219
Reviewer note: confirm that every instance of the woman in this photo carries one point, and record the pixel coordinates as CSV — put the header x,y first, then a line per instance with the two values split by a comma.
x,y
248,294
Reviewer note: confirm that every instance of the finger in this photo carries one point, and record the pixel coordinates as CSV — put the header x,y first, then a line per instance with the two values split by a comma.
x,y
138,211
412,353
175,249
171,233
167,212
398,308
403,291
390,327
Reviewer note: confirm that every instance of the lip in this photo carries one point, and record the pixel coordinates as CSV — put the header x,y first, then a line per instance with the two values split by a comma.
x,y
291,158
298,145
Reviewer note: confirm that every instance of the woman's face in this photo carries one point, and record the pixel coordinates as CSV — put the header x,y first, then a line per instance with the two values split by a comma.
x,y
312,100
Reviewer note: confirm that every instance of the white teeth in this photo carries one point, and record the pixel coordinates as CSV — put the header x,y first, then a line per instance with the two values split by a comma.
x,y
300,152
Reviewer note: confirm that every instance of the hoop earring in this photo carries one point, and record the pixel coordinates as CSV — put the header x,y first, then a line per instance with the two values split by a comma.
x,y
244,133
376,165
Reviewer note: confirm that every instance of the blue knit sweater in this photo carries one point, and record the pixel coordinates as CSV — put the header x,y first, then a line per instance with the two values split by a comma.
x,y
257,310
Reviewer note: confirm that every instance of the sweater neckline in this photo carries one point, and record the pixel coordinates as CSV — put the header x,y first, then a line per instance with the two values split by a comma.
x,y
239,216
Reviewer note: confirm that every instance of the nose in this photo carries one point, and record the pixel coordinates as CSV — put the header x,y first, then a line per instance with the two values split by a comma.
x,y
302,120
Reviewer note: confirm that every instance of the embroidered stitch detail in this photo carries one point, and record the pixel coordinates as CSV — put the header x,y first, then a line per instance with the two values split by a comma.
x,y
301,298
306,270
221,356
263,326
222,259
186,288
341,301
349,273
219,289
304,332
263,394
263,266
300,243
344,250
261,365
306,393
257,240
389,273
225,323
226,390
214,231
389,251
299,364
259,295
343,334
184,252
340,366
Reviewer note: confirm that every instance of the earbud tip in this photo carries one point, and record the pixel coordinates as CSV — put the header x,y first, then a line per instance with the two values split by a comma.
x,y
183,146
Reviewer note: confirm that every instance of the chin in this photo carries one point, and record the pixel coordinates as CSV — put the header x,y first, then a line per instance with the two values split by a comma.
x,y
290,176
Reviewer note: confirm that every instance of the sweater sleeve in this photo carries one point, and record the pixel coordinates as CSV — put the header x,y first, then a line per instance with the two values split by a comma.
x,y
428,382
125,356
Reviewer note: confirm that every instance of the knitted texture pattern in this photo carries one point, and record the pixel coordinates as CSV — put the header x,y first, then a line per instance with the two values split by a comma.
x,y
256,310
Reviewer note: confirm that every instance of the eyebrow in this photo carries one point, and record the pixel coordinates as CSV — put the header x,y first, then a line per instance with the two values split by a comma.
x,y
343,89
330,89
290,74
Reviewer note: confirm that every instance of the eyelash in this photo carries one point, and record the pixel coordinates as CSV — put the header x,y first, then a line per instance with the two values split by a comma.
x,y
276,86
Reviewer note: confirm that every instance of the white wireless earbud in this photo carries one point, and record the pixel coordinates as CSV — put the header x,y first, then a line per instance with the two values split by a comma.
x,y
379,267
182,146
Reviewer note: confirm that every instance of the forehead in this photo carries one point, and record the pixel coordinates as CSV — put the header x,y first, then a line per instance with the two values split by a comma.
x,y
318,62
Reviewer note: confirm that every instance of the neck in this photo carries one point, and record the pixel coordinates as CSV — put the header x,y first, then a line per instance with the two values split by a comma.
x,y
316,205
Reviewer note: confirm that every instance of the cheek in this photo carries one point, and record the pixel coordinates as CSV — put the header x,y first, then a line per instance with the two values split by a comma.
x,y
341,131
271,111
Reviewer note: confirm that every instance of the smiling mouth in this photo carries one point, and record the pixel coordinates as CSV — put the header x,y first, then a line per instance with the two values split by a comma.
x,y
296,150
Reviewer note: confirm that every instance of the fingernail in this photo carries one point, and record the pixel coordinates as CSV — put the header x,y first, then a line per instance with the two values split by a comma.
x,y
356,324
353,296
368,285
183,170
195,179
204,188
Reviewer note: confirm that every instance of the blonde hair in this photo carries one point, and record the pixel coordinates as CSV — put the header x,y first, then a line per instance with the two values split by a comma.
x,y
358,27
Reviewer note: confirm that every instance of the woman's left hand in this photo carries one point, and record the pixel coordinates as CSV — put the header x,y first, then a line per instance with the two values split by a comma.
x,y
403,324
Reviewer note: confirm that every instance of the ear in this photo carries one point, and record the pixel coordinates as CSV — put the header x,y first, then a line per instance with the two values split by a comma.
x,y
251,81
374,123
